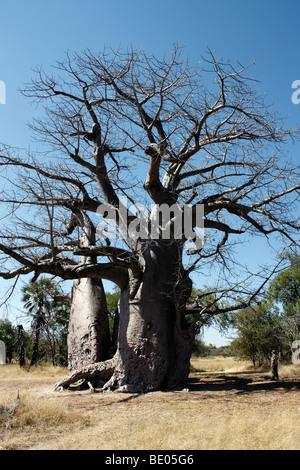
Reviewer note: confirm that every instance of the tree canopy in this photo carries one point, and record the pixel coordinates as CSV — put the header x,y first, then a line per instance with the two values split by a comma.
x,y
285,287
49,317
274,322
124,134
110,114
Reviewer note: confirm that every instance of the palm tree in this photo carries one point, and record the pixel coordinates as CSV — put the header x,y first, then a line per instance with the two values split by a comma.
x,y
38,300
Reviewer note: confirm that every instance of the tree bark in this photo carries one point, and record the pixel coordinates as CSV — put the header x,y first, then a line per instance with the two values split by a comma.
x,y
88,332
21,349
154,347
152,354
37,330
154,344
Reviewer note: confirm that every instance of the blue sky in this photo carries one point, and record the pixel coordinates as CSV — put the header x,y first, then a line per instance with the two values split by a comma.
x,y
35,33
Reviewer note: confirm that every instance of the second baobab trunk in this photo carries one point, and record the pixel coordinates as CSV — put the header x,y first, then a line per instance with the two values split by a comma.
x,y
88,332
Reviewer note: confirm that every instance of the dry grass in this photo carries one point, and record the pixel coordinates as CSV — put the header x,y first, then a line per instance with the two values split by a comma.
x,y
31,374
40,413
219,363
223,410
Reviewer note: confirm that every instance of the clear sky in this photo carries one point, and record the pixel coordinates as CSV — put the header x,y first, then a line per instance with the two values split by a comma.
x,y
36,32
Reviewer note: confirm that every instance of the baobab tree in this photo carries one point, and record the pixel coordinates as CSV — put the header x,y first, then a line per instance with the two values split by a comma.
x,y
125,136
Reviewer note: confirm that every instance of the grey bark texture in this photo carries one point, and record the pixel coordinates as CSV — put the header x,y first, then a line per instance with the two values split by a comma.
x,y
154,348
88,332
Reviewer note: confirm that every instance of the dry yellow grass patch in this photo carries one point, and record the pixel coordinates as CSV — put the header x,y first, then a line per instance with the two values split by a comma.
x,y
219,363
38,418
179,421
40,413
209,416
31,374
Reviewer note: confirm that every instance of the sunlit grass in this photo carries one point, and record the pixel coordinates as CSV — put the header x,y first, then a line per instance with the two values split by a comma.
x,y
204,419
34,373
219,363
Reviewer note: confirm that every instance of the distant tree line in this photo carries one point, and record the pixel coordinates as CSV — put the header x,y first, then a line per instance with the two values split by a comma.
x,y
274,322
45,340
21,344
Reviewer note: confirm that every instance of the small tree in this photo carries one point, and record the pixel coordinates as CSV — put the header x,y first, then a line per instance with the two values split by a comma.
x,y
257,334
284,295
48,316
55,333
285,287
112,301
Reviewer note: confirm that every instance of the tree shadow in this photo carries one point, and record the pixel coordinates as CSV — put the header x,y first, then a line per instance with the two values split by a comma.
x,y
241,382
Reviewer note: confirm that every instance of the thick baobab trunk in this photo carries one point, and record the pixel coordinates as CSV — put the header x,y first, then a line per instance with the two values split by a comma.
x,y
151,353
154,344
154,348
88,332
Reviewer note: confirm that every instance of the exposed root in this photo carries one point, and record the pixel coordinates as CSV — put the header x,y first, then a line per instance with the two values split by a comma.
x,y
98,370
